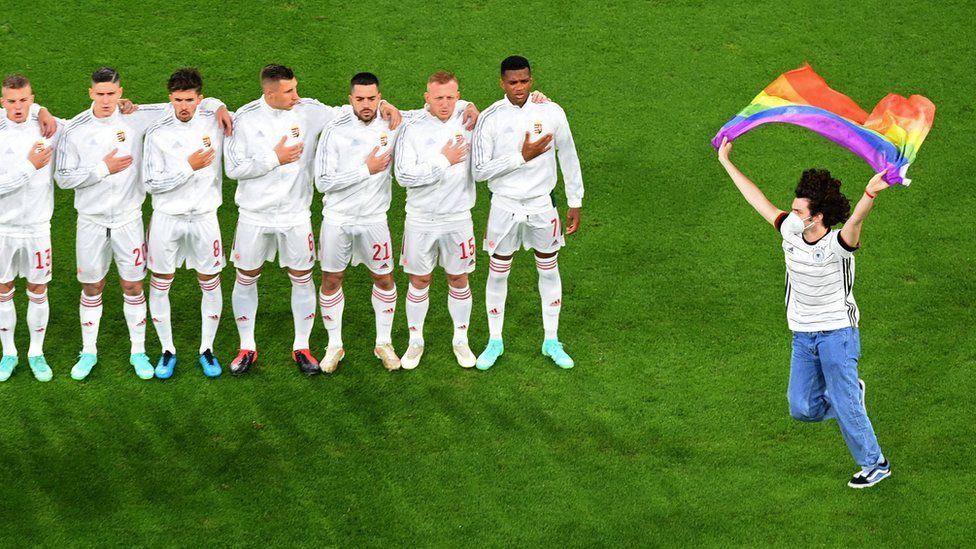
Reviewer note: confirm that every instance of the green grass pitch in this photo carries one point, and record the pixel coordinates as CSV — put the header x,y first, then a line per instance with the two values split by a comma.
x,y
673,429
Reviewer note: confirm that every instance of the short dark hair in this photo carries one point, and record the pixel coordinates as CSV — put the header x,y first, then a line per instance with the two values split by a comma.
x,y
185,79
823,192
15,81
274,73
364,79
515,63
105,74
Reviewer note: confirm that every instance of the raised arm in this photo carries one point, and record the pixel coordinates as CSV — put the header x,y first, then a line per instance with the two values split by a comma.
x,y
851,232
749,190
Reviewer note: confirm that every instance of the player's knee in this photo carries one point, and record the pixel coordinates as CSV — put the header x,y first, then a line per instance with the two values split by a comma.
x,y
131,287
384,281
545,255
164,276
502,257
6,287
331,282
94,288
457,281
251,273
421,281
803,411
32,288
206,277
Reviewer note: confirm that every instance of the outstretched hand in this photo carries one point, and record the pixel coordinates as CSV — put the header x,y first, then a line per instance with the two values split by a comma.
x,y
724,150
877,183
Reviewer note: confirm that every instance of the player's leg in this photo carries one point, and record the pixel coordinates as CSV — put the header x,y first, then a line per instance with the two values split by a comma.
x,y
205,255
163,256
544,235
373,247
456,254
8,314
296,250
839,352
253,246
418,258
805,392
417,304
129,251
335,254
502,240
38,276
93,253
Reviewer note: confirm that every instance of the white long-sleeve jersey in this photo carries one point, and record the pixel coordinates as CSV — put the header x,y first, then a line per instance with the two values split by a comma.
x,y
350,193
496,155
437,192
110,200
175,188
268,193
26,193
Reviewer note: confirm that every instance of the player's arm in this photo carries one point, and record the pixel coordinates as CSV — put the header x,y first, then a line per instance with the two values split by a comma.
x,y
851,231
319,114
162,171
572,174
19,173
749,190
240,162
469,109
483,165
328,178
411,171
73,172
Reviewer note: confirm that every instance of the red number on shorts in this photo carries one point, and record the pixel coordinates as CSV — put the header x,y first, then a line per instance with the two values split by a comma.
x,y
41,258
378,249
140,256
311,242
555,227
216,248
467,248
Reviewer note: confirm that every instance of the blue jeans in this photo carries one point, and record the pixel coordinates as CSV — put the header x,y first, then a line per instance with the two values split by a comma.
x,y
823,385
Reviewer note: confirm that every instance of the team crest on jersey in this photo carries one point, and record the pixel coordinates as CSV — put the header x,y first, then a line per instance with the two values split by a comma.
x,y
120,136
818,255
206,141
296,131
384,140
458,137
537,126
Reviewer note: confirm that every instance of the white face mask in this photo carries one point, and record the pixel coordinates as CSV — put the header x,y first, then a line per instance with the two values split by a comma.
x,y
794,225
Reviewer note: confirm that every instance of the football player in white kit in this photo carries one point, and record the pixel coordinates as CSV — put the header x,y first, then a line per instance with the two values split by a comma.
x,y
431,163
182,171
270,156
352,170
820,307
27,198
98,156
512,149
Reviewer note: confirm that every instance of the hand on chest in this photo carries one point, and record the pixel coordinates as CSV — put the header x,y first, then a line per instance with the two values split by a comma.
x,y
361,143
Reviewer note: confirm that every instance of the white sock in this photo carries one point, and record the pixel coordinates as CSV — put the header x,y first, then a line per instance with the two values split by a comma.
x,y
38,312
134,309
551,292
459,305
496,291
8,321
417,305
332,306
302,308
159,310
90,314
244,299
384,306
211,305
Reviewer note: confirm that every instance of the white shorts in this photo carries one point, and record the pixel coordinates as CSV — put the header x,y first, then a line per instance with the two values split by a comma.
x,y
25,257
354,244
507,231
193,241
254,245
97,245
452,247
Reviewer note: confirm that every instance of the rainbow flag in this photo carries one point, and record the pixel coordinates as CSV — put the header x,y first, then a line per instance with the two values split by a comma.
x,y
888,139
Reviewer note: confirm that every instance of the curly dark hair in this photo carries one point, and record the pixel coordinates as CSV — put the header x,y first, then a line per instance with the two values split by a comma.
x,y
823,192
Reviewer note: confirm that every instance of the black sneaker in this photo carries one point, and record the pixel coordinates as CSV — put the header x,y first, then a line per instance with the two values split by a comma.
x,y
243,362
306,362
867,479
